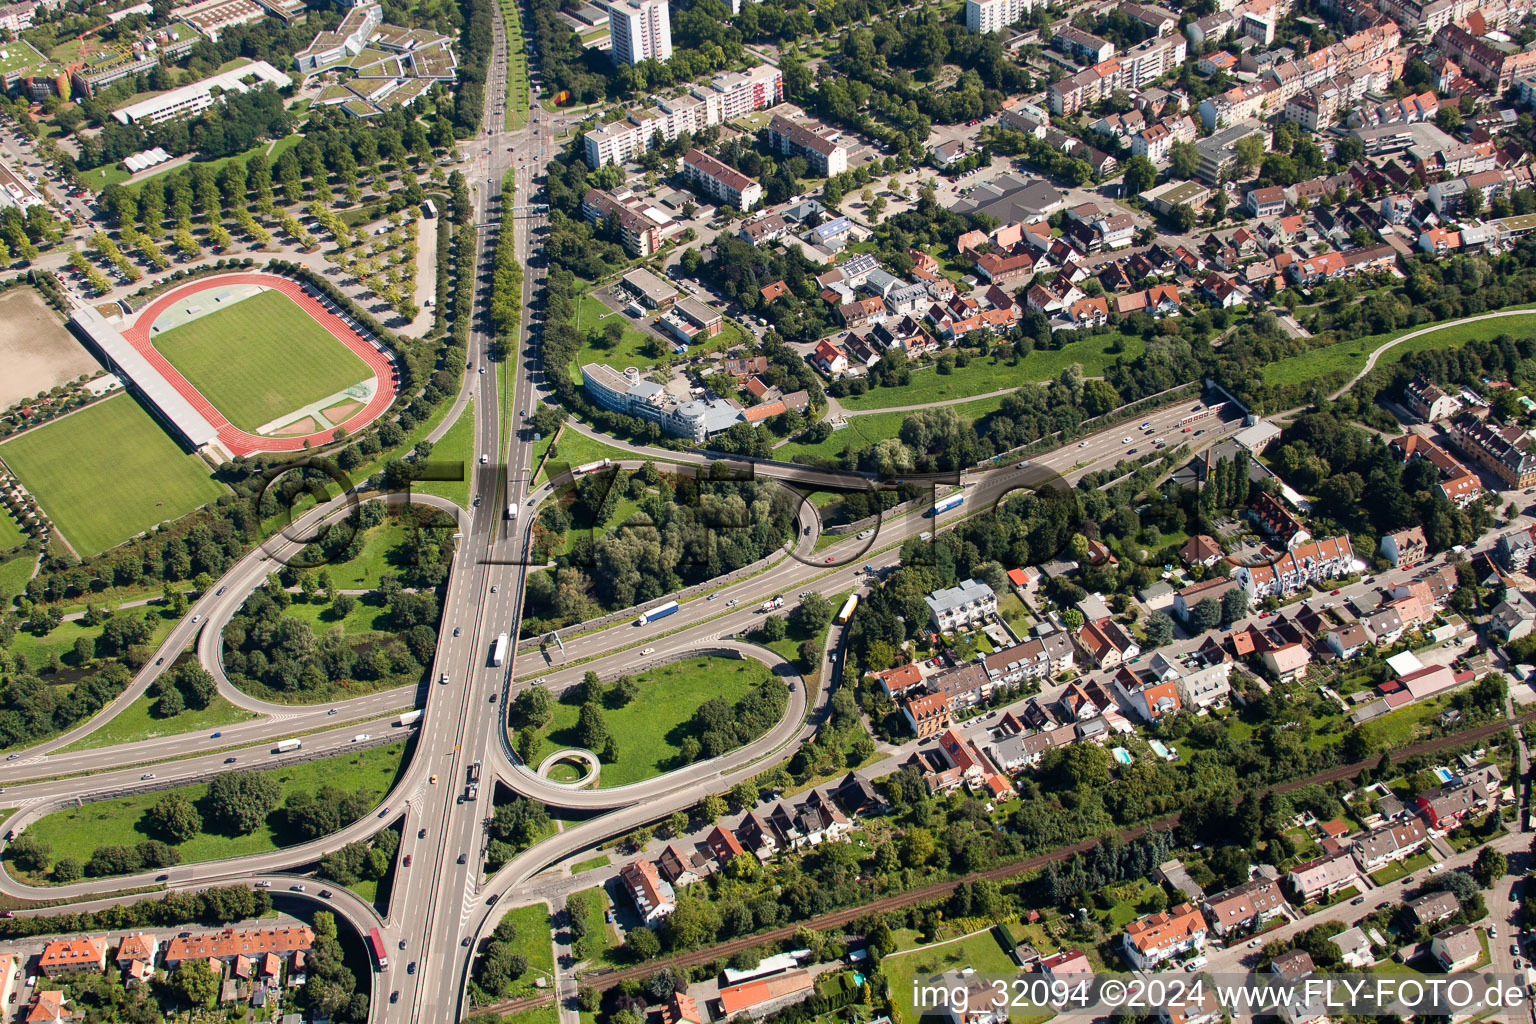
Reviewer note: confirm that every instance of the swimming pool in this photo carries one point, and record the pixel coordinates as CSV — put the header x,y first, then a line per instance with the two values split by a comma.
x,y
1122,755
1159,749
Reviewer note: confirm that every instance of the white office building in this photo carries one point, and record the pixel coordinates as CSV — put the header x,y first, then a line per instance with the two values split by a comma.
x,y
198,97
640,30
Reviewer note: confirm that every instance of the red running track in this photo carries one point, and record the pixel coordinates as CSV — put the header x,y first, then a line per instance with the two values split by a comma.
x,y
235,440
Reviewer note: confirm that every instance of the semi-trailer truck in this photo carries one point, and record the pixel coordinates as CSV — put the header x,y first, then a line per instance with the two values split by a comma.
x,y
848,607
283,746
660,611
410,718
953,501
380,954
499,654
591,467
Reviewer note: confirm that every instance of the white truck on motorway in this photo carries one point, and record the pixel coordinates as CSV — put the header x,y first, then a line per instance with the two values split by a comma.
x,y
499,654
410,717
772,603
512,510
283,746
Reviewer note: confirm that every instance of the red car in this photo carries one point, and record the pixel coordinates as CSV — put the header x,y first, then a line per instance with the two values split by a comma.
x,y
830,558
1335,593
407,860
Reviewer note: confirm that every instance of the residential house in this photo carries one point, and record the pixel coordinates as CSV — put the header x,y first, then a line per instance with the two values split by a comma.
x,y
722,842
652,895
1317,560
1515,550
1389,843
1322,877
1288,661
1513,619
970,603
1428,401
899,680
1106,644
51,1007
829,358
1405,548
1430,909
63,957
1265,202
1456,949
1069,966
927,715
1201,550
1504,450
1446,807
1212,589
1348,641
1151,940
228,944
1244,907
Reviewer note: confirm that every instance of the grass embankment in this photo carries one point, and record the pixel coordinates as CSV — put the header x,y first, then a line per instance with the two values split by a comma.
x,y
138,722
79,831
1348,357
455,446
986,374
649,731
863,431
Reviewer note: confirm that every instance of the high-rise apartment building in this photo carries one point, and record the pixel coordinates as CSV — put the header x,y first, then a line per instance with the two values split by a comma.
x,y
640,30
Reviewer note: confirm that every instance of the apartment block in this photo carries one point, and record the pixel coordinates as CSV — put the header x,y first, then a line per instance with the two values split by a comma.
x,y
994,15
724,97
826,156
640,30
720,181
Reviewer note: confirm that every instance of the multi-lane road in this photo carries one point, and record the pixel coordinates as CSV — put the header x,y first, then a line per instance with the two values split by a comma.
x,y
440,904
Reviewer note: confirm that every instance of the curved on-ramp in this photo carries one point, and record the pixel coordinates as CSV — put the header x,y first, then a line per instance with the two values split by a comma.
x,y
525,781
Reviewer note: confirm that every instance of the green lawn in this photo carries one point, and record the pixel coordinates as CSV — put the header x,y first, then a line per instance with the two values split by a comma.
x,y
600,861
39,650
982,952
457,445
650,729
11,533
108,472
136,723
365,617
14,575
111,174
986,374
591,316
600,936
1349,356
863,431
79,831
260,358
364,571
537,1015
577,449
1392,872
534,930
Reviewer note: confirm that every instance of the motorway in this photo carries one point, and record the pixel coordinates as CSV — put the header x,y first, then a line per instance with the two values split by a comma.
x,y
440,904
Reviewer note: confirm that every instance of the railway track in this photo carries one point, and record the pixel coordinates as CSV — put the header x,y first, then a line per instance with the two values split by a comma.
x,y
602,980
